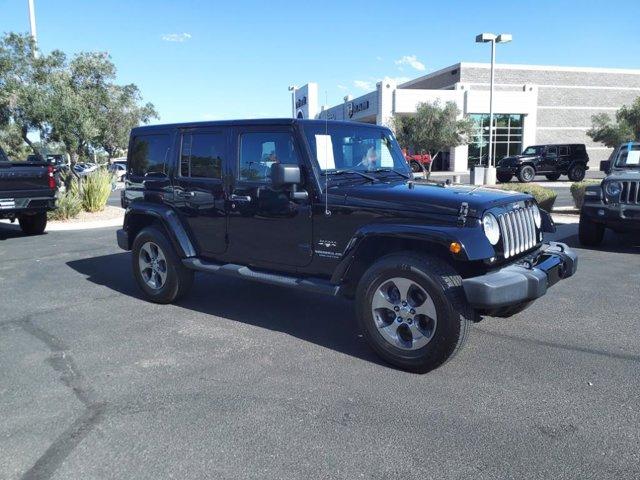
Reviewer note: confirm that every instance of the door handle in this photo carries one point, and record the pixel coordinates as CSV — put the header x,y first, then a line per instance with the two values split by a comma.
x,y
186,194
239,198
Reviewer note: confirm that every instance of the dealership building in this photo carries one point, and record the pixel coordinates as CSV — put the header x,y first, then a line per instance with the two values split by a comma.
x,y
532,104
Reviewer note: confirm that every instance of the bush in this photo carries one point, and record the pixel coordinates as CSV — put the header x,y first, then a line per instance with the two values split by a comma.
x,y
96,188
69,206
544,196
577,191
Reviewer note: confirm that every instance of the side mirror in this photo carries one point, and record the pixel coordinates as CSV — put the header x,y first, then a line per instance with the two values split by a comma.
x,y
284,174
605,166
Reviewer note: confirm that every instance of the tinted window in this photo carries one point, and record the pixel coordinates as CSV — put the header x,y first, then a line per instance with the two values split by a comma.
x,y
149,154
552,150
258,151
202,155
564,150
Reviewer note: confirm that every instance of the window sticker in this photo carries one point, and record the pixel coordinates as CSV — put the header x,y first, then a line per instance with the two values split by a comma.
x,y
386,160
324,152
633,157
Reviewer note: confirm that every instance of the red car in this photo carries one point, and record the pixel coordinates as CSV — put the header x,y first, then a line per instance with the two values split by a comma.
x,y
417,162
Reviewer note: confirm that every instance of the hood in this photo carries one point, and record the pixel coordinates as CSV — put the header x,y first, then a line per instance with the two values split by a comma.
x,y
513,159
629,174
427,198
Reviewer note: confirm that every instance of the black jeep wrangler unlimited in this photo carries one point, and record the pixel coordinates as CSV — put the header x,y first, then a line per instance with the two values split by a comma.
x,y
615,203
548,160
331,207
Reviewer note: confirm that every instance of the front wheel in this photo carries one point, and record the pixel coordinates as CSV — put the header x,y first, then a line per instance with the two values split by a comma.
x,y
413,311
526,174
504,177
416,167
33,224
577,173
157,269
590,233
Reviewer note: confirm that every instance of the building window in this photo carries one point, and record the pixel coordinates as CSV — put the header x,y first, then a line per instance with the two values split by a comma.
x,y
507,137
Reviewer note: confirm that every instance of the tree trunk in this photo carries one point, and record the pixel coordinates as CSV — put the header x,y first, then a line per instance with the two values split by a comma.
x,y
25,137
433,158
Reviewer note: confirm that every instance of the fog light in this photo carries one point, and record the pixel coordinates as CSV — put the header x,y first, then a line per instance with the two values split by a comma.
x,y
601,212
455,247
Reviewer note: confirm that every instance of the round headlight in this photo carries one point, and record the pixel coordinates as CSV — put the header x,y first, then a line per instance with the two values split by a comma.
x,y
491,228
613,189
536,216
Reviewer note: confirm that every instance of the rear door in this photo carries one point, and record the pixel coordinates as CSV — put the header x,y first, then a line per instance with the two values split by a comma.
x,y
266,226
550,160
199,192
564,157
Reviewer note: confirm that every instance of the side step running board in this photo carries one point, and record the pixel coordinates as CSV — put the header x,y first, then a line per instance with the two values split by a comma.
x,y
315,285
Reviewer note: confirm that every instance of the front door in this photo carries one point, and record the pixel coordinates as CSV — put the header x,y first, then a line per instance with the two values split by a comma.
x,y
266,226
199,192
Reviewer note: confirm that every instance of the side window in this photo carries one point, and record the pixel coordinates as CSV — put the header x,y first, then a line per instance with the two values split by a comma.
x,y
149,154
552,150
564,150
260,150
201,155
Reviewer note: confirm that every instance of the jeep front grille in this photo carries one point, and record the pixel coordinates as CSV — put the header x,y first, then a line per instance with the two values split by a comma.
x,y
629,193
518,231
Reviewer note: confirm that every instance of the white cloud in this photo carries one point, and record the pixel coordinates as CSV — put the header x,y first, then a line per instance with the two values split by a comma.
x,y
363,84
176,37
412,61
343,87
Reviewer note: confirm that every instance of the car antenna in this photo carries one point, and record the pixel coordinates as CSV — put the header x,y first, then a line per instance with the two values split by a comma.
x,y
327,212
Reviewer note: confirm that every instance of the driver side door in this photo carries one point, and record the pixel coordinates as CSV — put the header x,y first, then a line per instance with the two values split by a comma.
x,y
267,227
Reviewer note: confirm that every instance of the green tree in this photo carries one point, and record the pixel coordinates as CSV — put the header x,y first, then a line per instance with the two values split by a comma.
x,y
24,87
611,133
121,112
432,129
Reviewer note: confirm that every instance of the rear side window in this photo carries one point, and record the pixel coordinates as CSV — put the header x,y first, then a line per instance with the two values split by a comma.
x,y
149,154
202,155
564,150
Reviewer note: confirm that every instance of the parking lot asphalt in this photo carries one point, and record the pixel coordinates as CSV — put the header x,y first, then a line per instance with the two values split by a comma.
x,y
242,380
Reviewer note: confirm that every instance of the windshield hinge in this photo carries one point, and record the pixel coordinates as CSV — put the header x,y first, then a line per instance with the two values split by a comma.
x,y
462,214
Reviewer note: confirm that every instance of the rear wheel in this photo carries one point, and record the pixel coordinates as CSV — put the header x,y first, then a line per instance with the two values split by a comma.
x,y
157,269
413,311
33,224
504,177
552,176
526,173
590,233
416,167
577,173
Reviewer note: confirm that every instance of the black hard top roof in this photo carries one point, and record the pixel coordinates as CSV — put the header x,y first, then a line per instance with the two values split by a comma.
x,y
254,122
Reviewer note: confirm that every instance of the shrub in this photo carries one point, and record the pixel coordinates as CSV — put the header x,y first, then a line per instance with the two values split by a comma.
x,y
544,196
69,206
577,191
96,188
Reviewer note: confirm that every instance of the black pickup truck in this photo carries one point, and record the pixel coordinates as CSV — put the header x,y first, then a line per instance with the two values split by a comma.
x,y
27,193
331,207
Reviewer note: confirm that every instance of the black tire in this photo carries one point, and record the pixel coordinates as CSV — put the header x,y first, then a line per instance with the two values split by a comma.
x,y
178,278
443,284
416,167
552,177
577,173
504,177
590,233
526,174
33,224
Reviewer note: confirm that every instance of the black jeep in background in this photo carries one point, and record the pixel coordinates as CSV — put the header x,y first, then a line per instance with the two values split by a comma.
x,y
330,207
615,203
552,161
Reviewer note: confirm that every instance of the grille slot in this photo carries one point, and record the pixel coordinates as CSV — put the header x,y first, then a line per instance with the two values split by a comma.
x,y
630,194
518,231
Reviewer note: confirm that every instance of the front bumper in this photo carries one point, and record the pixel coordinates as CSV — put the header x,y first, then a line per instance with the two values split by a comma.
x,y
617,216
521,282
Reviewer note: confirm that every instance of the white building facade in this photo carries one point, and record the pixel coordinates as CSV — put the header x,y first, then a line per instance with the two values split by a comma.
x,y
532,105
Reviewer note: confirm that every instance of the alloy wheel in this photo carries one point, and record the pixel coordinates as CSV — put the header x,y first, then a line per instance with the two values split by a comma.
x,y
153,265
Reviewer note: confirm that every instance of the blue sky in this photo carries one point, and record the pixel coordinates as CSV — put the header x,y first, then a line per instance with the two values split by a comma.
x,y
199,60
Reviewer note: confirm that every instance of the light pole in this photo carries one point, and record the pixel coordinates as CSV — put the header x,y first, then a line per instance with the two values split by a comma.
x,y
493,38
32,25
292,89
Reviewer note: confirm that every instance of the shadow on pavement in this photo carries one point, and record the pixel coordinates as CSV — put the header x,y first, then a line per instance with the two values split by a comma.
x,y
12,230
612,243
322,320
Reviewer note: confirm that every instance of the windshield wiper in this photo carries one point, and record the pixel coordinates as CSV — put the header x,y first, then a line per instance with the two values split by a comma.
x,y
342,172
377,170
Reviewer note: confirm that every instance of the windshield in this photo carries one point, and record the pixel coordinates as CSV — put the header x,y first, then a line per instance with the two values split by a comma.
x,y
628,156
532,151
339,147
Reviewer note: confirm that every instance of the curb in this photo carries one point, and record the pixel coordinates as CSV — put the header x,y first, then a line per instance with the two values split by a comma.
x,y
57,226
561,219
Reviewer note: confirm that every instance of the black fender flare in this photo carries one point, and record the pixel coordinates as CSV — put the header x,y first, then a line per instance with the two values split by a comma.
x,y
475,245
169,220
